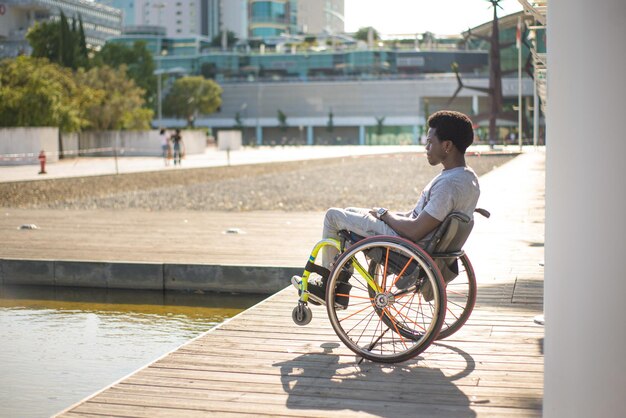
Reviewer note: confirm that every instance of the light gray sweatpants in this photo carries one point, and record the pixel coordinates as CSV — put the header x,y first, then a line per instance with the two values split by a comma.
x,y
357,220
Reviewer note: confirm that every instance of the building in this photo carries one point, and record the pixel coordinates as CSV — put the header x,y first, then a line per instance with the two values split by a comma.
x,y
126,6
99,21
272,18
210,22
372,95
234,17
321,16
206,18
180,17
263,20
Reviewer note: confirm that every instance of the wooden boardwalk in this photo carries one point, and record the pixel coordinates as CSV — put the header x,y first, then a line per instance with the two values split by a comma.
x,y
260,363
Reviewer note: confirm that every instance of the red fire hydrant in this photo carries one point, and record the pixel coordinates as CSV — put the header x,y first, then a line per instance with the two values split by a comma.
x,y
42,162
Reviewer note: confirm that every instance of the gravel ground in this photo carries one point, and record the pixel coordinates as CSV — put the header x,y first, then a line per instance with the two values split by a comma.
x,y
393,181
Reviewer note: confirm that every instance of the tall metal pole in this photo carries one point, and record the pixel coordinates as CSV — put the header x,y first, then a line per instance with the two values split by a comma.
x,y
159,94
519,81
535,113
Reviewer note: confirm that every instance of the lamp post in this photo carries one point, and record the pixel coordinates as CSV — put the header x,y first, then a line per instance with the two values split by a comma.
x,y
242,109
159,96
159,73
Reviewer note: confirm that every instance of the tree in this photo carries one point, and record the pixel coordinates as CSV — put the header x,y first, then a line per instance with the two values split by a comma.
x,y
282,120
36,92
59,42
218,40
238,122
190,96
380,124
67,45
120,103
363,34
330,125
45,40
83,52
208,70
138,61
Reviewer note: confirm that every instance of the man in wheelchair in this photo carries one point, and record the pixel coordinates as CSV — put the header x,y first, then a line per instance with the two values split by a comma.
x,y
454,190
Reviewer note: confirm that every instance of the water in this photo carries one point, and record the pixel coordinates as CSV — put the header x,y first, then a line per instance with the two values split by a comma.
x,y
59,345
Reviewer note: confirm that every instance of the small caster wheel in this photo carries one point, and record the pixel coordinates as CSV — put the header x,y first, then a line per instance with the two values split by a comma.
x,y
301,314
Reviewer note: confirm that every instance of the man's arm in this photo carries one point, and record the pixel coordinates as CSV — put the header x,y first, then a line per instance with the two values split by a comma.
x,y
412,229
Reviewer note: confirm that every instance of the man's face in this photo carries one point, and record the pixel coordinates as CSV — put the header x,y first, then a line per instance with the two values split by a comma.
x,y
435,153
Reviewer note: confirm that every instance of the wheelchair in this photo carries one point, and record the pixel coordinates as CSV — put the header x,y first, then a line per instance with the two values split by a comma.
x,y
387,298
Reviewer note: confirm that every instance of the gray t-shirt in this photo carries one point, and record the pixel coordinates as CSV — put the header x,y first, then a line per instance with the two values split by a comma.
x,y
454,190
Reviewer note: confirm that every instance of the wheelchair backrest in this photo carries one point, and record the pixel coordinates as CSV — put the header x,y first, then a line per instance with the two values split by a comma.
x,y
451,235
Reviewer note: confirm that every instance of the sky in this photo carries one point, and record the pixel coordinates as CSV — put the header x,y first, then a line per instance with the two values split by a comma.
x,y
442,17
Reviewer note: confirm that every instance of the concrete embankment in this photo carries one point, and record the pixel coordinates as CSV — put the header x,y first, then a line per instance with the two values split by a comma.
x,y
146,276
252,252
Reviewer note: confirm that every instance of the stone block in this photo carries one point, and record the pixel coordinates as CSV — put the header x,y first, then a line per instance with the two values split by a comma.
x,y
231,279
27,272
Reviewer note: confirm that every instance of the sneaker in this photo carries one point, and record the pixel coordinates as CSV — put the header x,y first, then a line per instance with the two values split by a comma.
x,y
296,281
316,288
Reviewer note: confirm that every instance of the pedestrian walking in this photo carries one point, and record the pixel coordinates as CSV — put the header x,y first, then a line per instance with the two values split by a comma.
x,y
179,146
165,146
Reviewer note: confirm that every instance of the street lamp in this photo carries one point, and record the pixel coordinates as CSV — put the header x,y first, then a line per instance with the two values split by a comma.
x,y
159,73
243,108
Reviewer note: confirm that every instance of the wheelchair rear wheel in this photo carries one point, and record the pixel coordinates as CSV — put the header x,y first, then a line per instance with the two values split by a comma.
x,y
460,297
377,319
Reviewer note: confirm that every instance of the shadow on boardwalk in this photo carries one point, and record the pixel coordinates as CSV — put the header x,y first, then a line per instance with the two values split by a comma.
x,y
321,381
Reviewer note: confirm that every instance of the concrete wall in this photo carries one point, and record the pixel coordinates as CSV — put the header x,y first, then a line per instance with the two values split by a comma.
x,y
145,276
124,143
136,143
20,146
310,103
69,144
195,141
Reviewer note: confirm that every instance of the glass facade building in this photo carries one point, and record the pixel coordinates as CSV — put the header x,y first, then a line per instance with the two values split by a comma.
x,y
196,56
99,21
126,6
272,18
400,82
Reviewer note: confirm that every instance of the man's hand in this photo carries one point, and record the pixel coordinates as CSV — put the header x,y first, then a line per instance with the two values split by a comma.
x,y
414,229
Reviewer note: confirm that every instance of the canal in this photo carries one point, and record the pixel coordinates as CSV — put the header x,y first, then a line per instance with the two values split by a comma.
x,y
59,345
